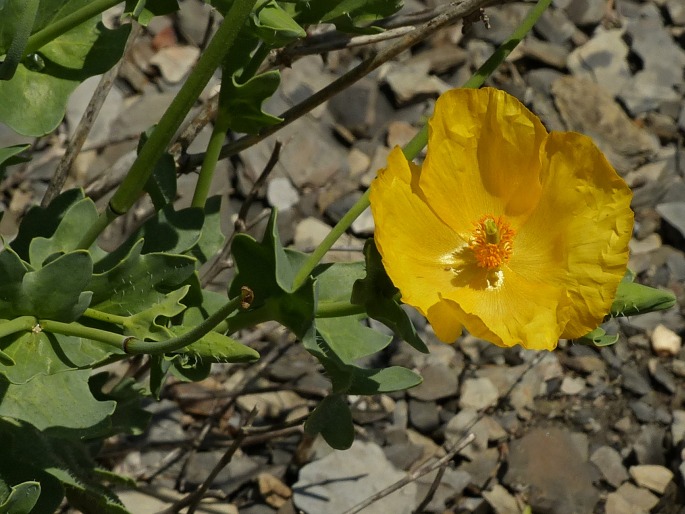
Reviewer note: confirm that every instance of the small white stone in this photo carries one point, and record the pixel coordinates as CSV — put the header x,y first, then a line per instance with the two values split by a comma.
x,y
281,194
478,393
665,341
501,501
572,386
653,477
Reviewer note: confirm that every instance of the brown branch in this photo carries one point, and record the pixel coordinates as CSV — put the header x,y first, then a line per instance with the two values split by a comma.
x,y
454,12
83,129
423,470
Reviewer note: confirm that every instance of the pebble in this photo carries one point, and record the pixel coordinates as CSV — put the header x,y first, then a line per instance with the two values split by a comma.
x,y
673,213
617,504
281,194
661,375
174,62
665,341
411,82
501,500
453,483
638,496
634,381
646,245
678,427
655,478
572,385
477,393
424,415
439,381
610,464
342,479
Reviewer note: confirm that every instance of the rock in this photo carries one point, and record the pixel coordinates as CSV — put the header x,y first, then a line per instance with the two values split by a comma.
x,y
477,393
501,501
271,405
440,59
678,427
603,59
502,22
634,381
676,10
610,464
453,483
538,459
644,412
482,467
174,62
586,107
241,469
665,341
424,415
572,385
147,500
273,490
585,12
439,381
649,445
342,479
661,375
673,213
637,496
548,53
617,504
647,90
363,225
655,478
648,244
192,20
412,83
281,194
554,26
355,107
78,101
400,133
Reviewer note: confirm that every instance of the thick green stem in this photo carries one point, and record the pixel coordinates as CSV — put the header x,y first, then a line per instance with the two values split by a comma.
x,y
216,142
338,309
92,233
77,330
20,39
419,141
134,182
76,18
105,316
176,343
20,324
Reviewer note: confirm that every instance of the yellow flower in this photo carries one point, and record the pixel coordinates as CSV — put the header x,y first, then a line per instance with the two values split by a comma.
x,y
518,235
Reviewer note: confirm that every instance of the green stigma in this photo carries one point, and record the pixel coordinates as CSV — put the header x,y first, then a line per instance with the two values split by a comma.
x,y
491,231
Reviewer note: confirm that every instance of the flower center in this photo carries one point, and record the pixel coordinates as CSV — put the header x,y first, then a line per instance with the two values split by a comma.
x,y
492,242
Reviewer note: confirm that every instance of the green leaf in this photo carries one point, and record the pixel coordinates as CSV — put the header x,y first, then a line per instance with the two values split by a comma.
x,y
137,282
67,234
189,368
212,239
35,353
143,325
55,291
334,282
382,380
632,299
244,102
39,97
61,404
349,339
23,497
333,420
598,337
215,347
274,26
128,417
378,295
144,10
11,155
43,222
353,16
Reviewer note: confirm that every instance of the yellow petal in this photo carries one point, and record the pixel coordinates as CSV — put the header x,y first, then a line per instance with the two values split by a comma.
x,y
444,317
483,157
412,241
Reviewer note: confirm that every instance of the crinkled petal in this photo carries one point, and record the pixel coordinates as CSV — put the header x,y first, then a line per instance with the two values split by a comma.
x,y
412,241
445,317
483,157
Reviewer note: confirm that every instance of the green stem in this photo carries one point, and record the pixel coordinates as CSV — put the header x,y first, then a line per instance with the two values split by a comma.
x,y
20,39
245,319
134,182
419,141
176,343
92,233
338,309
63,25
250,69
105,316
216,141
77,330
20,324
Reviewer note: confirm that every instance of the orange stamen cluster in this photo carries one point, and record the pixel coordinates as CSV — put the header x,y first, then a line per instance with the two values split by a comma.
x,y
492,242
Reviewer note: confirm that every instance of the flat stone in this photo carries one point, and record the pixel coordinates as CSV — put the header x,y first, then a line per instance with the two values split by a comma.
x,y
342,479
555,26
536,462
649,445
355,107
673,213
585,12
453,483
610,464
439,381
638,496
586,107
572,385
653,477
665,341
648,244
147,500
501,501
661,375
678,427
174,62
241,470
603,60
363,225
411,82
617,504
482,467
634,381
281,194
676,10
552,54
424,415
647,91
100,130
478,393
